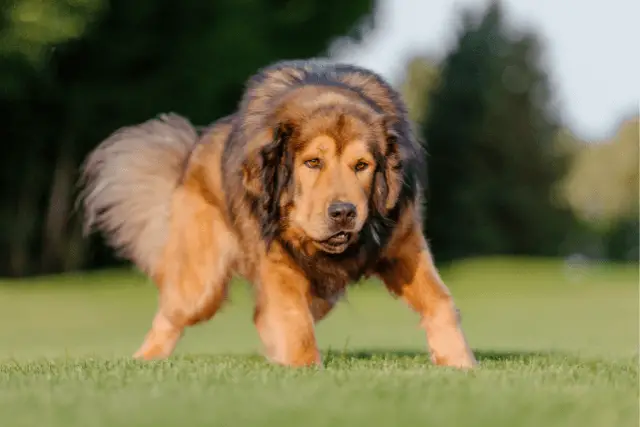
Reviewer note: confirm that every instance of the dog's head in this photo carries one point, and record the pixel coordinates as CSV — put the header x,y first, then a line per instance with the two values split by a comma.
x,y
330,164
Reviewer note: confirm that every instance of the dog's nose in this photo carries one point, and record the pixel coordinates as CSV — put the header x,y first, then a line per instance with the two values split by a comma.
x,y
342,212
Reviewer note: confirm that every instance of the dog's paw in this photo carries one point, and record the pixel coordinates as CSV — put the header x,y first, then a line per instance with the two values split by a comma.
x,y
464,361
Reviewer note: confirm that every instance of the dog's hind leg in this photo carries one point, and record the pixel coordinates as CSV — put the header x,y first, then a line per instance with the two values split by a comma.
x,y
193,273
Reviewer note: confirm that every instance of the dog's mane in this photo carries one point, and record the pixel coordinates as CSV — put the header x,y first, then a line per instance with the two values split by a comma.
x,y
272,82
267,87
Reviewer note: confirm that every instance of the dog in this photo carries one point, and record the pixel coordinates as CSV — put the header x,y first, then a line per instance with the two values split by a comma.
x,y
314,182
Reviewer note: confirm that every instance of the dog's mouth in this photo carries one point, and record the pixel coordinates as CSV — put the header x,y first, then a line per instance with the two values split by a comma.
x,y
336,243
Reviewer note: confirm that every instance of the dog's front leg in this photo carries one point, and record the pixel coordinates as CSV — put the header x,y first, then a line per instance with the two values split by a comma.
x,y
283,317
412,275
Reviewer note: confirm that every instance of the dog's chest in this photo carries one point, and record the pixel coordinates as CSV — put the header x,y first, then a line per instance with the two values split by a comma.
x,y
331,278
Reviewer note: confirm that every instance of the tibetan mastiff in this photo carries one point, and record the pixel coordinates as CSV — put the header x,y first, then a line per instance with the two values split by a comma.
x,y
312,184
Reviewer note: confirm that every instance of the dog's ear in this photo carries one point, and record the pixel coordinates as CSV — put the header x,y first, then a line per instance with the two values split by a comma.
x,y
267,177
388,178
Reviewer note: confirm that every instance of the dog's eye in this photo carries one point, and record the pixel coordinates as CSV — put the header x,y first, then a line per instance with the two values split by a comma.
x,y
360,166
312,163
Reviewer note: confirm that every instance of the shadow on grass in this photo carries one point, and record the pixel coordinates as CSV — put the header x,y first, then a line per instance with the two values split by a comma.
x,y
481,355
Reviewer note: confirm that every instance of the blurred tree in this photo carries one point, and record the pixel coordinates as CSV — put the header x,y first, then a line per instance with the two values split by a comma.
x,y
492,155
30,27
420,78
122,63
602,188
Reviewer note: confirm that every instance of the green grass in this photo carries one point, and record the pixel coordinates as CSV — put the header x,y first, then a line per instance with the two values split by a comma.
x,y
557,347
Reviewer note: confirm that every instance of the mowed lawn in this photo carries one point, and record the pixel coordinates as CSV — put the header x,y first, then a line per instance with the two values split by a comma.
x,y
557,345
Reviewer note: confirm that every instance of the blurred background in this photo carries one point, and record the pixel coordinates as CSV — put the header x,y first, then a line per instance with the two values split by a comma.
x,y
529,109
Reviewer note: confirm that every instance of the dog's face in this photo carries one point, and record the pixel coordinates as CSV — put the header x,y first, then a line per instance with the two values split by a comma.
x,y
324,175
333,173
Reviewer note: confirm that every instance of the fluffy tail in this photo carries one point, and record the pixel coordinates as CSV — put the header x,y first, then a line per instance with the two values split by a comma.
x,y
128,182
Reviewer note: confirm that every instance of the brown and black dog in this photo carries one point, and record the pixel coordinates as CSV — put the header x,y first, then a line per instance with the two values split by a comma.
x,y
314,183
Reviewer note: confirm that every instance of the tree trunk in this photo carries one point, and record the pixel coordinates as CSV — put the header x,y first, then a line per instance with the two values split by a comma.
x,y
55,234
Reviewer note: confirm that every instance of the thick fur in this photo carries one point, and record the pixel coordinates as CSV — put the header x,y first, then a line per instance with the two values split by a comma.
x,y
257,141
251,196
128,183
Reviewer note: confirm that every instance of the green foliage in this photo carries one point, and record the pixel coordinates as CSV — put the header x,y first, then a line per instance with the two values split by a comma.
x,y
420,78
602,186
30,27
77,70
492,156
